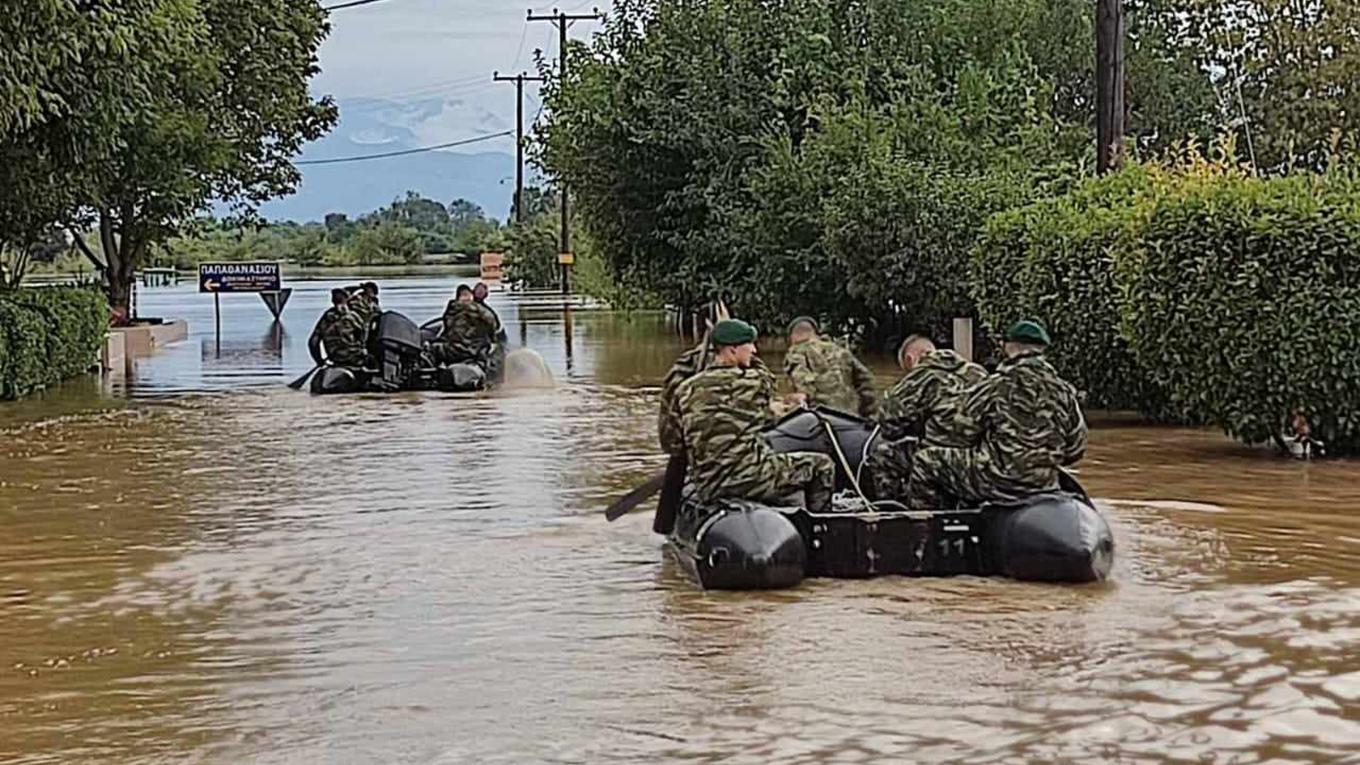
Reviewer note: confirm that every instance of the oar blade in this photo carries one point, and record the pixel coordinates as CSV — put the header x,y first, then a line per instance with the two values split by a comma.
x,y
632,499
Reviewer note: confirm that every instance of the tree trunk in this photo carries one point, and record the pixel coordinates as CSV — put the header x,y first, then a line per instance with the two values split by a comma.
x,y
120,253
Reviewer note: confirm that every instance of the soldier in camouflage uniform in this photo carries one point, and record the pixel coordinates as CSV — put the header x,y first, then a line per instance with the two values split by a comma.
x,y
469,331
721,412
1024,423
340,332
919,406
689,364
826,374
363,301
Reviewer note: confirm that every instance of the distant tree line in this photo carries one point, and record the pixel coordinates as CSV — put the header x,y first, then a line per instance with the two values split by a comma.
x,y
404,232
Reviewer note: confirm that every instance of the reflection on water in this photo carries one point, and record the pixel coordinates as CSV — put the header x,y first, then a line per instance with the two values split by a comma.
x,y
222,569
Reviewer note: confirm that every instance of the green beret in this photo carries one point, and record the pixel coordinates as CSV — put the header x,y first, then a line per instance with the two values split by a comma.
x,y
1031,332
803,320
733,332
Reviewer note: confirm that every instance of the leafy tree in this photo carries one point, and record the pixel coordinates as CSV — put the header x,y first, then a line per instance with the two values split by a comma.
x,y
198,100
387,243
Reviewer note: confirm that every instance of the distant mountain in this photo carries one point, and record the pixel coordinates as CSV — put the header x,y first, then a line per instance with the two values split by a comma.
x,y
372,126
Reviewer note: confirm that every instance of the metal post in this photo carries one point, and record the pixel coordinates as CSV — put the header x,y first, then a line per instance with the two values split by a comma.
x,y
963,338
217,316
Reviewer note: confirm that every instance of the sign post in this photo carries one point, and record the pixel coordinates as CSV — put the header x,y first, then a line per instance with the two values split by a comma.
x,y
263,278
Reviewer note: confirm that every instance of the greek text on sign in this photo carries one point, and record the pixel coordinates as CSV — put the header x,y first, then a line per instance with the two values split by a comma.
x,y
239,277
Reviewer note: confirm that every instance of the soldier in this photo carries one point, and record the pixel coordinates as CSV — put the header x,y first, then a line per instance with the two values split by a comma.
x,y
469,330
921,405
690,363
1023,423
721,411
341,332
824,373
479,294
364,302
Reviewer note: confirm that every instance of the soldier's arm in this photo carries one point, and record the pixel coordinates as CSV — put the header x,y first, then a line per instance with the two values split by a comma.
x,y
902,409
1074,446
314,342
970,420
864,386
801,375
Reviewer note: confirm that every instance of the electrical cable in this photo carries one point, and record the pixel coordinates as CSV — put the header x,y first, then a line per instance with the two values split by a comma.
x,y
404,152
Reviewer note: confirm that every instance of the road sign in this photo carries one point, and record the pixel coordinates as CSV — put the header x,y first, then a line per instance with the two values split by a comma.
x,y
491,266
239,277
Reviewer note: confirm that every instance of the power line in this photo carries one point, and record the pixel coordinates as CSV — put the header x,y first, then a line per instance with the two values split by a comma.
x,y
404,152
350,4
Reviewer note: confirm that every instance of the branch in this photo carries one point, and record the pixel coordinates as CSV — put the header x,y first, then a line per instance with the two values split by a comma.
x,y
85,248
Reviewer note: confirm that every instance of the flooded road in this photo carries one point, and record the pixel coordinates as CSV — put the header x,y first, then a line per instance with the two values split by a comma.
x,y
199,565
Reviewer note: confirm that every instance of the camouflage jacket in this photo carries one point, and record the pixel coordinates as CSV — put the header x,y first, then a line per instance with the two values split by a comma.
x,y
689,364
923,403
1027,420
469,327
341,332
365,306
831,376
721,412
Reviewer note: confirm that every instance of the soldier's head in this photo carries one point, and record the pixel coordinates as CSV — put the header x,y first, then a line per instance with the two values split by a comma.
x,y
370,287
464,294
802,329
912,350
1025,336
479,292
734,343
339,296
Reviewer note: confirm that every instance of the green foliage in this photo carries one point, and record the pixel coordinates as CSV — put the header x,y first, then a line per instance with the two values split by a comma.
x,y
47,335
531,252
386,243
1243,303
1054,261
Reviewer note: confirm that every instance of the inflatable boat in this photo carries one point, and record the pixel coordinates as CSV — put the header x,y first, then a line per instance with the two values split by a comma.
x,y
740,545
396,348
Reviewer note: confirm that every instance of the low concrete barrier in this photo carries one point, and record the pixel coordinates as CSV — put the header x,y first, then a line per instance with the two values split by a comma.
x,y
127,343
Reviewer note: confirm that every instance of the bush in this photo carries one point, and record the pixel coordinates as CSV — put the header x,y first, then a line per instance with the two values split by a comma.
x,y
48,335
1243,303
1055,261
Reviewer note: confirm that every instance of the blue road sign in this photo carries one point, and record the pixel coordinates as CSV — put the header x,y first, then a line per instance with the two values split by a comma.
x,y
239,277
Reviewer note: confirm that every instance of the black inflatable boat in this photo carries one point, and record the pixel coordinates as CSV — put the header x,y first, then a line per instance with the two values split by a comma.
x,y
395,348
739,545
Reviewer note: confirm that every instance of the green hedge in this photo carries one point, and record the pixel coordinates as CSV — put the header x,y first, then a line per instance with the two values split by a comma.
x,y
1194,293
1243,303
48,335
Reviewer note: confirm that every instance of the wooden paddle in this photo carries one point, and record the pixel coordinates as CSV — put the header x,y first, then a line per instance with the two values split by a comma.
x,y
298,383
625,504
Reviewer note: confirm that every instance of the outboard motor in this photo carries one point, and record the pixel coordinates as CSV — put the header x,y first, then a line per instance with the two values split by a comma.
x,y
394,344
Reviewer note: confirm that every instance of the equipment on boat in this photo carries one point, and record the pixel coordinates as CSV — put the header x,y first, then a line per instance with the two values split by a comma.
x,y
737,544
395,349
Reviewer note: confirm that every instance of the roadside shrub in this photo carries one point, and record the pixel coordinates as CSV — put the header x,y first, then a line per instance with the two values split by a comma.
x,y
1242,302
48,335
1054,261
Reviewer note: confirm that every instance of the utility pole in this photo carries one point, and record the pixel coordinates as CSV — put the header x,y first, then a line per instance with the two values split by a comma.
x,y
519,81
563,21
1109,85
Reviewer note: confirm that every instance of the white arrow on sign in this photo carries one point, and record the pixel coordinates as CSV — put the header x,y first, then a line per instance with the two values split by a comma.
x,y
211,285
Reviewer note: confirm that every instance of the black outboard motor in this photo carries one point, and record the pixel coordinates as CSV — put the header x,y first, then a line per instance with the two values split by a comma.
x,y
394,344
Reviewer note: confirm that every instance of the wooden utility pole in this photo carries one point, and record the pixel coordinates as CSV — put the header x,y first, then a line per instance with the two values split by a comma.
x,y
1109,85
519,81
563,21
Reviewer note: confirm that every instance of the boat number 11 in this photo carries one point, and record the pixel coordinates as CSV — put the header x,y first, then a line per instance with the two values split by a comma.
x,y
960,544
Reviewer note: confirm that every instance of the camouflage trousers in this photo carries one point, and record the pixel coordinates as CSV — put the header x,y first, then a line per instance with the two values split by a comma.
x,y
777,477
942,477
347,356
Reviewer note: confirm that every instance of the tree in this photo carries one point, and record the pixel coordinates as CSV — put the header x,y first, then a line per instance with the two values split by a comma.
x,y
212,104
387,243
464,213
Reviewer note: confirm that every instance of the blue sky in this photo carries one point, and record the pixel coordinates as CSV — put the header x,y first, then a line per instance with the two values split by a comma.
x,y
443,52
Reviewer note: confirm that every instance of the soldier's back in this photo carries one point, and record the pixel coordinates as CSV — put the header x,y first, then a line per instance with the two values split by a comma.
x,y
721,411
1032,421
824,371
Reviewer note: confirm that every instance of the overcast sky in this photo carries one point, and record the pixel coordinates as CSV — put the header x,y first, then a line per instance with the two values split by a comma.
x,y
415,50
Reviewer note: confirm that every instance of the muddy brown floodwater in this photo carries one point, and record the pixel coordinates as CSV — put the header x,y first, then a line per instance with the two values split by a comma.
x,y
199,565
